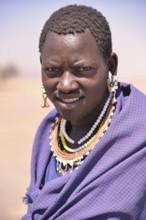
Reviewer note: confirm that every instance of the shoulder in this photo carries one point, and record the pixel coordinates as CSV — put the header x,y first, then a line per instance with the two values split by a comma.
x,y
129,90
130,95
50,117
46,123
131,111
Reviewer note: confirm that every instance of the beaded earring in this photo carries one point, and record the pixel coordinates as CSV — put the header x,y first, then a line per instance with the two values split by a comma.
x,y
44,95
112,83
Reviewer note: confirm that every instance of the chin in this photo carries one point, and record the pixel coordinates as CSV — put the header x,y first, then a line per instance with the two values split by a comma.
x,y
70,115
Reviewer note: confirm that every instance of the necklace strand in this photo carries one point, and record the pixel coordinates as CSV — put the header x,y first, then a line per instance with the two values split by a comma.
x,y
67,148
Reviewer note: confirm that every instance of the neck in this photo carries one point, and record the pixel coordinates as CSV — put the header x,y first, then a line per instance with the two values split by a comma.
x,y
79,129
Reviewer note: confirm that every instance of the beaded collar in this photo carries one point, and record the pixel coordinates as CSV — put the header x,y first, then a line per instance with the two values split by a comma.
x,y
68,158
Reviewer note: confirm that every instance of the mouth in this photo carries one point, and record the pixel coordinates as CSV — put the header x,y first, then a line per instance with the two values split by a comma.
x,y
68,102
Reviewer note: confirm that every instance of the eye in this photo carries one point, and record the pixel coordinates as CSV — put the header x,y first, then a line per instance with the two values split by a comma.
x,y
52,71
85,71
86,68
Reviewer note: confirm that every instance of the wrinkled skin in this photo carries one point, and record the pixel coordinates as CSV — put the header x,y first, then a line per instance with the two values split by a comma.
x,y
74,74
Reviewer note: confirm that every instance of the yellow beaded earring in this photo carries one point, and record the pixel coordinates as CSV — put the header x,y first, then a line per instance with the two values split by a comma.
x,y
45,97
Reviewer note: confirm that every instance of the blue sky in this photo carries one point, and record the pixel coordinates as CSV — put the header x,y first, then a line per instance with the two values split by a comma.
x,y
22,21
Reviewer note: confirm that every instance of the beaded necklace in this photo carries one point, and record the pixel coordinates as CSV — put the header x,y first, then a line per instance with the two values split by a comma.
x,y
94,126
67,158
68,149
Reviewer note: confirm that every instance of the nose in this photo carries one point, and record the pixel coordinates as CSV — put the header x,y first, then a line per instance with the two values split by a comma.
x,y
67,82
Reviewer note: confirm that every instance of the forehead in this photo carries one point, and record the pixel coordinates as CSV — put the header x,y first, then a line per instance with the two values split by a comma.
x,y
83,43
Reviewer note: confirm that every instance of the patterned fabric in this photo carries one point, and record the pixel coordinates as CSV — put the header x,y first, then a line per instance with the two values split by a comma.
x,y
111,182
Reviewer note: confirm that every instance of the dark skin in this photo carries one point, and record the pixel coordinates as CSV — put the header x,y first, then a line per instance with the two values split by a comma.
x,y
74,75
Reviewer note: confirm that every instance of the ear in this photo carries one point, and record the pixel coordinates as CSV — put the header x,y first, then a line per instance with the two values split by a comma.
x,y
113,64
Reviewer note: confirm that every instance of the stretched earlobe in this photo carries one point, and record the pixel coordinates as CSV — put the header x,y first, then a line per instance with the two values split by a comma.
x,y
45,98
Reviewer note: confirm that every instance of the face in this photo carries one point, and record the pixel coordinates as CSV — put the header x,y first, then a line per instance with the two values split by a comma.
x,y
74,75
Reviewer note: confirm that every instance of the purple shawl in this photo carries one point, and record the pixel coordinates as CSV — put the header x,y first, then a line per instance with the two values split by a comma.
x,y
111,182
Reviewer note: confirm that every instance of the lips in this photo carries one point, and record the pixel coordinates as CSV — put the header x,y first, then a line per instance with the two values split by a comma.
x,y
69,100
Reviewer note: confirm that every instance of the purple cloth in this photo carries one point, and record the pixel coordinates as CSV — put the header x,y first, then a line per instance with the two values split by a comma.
x,y
111,182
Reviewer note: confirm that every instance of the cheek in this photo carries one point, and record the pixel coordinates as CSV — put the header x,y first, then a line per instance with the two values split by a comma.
x,y
97,87
96,93
45,80
49,84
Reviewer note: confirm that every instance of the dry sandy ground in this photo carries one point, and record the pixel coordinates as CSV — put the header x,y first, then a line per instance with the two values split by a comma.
x,y
20,115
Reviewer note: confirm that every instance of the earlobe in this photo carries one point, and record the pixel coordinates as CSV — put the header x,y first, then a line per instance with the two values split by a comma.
x,y
112,81
113,64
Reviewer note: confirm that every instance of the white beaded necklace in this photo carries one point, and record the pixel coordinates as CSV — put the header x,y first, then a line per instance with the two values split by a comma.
x,y
94,126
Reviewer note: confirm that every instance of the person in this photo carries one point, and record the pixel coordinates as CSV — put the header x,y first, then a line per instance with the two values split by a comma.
x,y
89,153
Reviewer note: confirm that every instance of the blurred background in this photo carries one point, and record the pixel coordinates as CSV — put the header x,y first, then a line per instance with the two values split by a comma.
x,y
20,79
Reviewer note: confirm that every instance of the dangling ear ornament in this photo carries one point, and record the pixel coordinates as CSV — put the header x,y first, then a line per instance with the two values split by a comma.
x,y
45,97
112,84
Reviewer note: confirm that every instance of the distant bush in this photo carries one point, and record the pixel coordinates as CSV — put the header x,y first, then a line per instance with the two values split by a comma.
x,y
8,72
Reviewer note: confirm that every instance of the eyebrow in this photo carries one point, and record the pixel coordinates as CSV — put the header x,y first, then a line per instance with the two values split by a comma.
x,y
52,63
83,63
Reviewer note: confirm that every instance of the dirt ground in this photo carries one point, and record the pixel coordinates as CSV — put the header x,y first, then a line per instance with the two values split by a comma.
x,y
20,115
